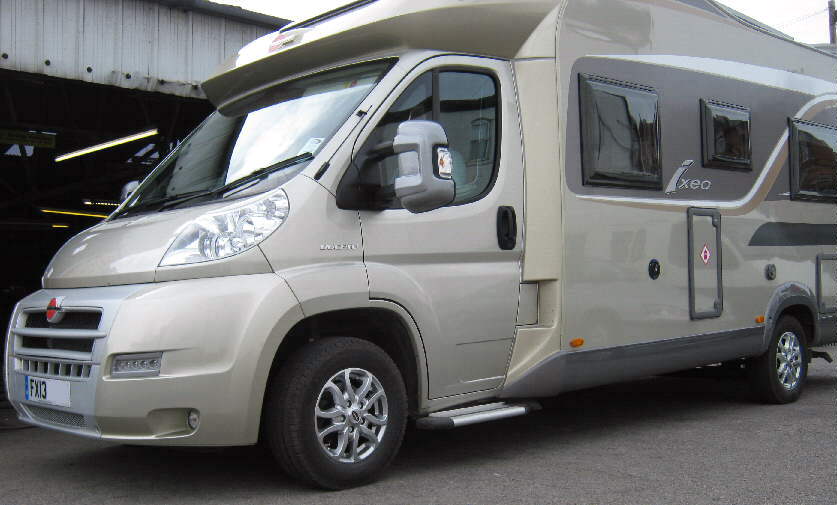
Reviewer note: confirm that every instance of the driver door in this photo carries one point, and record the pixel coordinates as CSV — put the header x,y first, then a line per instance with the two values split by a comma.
x,y
456,269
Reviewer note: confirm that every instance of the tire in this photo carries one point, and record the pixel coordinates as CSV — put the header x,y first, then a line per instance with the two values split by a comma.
x,y
766,373
315,377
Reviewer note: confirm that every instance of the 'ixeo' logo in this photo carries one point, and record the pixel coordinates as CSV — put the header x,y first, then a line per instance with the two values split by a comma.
x,y
680,181
54,310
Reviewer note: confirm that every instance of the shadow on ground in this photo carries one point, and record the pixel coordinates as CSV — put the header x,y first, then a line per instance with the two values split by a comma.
x,y
567,423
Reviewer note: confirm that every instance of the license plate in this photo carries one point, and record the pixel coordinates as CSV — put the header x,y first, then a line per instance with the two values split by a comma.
x,y
48,391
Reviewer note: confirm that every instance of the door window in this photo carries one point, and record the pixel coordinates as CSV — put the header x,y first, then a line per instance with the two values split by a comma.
x,y
468,113
465,103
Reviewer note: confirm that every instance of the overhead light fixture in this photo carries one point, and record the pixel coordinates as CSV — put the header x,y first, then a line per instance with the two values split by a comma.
x,y
107,145
60,226
73,213
103,203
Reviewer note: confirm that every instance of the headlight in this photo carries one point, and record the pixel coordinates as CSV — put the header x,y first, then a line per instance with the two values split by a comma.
x,y
228,232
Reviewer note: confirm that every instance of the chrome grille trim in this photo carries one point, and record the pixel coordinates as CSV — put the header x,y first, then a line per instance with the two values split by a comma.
x,y
58,333
53,367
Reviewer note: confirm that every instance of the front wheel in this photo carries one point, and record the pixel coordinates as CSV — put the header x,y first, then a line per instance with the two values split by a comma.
x,y
778,375
336,413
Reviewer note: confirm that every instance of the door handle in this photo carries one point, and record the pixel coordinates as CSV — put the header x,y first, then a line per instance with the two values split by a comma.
x,y
506,228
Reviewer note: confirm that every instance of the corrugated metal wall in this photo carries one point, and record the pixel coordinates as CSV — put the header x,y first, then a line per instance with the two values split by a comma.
x,y
128,43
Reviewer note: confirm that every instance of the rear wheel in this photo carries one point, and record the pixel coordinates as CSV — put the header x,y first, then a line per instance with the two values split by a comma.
x,y
778,375
336,413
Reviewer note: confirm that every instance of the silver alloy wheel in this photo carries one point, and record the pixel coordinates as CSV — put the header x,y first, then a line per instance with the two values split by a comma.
x,y
788,360
351,415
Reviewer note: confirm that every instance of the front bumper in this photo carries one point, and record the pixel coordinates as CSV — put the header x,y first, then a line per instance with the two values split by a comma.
x,y
217,337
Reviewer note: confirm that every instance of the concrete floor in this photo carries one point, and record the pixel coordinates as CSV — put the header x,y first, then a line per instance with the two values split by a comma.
x,y
660,440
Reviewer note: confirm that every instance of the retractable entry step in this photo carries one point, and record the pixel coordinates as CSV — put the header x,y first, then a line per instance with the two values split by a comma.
x,y
822,354
455,418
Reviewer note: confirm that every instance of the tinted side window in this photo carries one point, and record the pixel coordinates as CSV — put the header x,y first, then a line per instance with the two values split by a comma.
x,y
468,113
619,134
813,150
726,135
465,104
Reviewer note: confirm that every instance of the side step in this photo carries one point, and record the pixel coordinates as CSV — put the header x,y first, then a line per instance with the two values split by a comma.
x,y
821,354
455,418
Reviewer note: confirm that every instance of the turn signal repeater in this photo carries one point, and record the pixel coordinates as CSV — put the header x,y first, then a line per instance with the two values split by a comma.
x,y
576,343
759,319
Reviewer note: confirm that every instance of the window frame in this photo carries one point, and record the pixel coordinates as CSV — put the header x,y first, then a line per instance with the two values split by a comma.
x,y
793,161
711,159
620,183
435,111
498,121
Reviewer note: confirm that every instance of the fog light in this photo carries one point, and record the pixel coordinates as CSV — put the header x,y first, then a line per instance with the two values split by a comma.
x,y
137,365
194,419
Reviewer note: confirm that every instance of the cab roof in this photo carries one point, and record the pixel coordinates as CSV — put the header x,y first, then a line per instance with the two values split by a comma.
x,y
369,28
498,28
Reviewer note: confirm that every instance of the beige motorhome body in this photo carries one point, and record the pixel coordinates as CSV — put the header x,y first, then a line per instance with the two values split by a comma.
x,y
693,49
553,271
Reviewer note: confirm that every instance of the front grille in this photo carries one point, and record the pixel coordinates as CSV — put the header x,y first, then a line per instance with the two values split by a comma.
x,y
53,416
88,320
53,368
62,344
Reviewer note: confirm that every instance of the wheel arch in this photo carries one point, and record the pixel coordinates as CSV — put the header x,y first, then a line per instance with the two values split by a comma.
x,y
797,300
385,324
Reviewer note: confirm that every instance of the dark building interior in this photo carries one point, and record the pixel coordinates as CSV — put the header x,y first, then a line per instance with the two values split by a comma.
x,y
41,199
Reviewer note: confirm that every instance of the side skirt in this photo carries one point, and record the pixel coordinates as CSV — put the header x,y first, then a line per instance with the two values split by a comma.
x,y
572,370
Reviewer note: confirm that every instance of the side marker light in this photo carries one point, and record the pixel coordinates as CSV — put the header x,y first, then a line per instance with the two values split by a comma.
x,y
576,342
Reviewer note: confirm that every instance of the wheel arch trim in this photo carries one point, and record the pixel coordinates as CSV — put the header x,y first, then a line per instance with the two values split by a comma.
x,y
273,344
785,296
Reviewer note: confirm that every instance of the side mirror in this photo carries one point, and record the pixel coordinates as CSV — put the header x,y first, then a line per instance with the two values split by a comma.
x,y
127,190
425,168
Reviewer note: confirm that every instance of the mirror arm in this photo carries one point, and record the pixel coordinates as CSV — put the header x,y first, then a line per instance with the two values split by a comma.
x,y
381,151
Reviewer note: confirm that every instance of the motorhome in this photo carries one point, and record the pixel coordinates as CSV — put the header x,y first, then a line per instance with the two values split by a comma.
x,y
439,212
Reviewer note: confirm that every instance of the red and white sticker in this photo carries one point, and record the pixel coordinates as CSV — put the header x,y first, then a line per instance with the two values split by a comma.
x,y
705,254
281,40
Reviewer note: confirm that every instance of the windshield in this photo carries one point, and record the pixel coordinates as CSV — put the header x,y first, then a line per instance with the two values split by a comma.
x,y
264,142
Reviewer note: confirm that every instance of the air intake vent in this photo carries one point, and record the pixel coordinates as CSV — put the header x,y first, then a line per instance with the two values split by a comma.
x,y
61,344
53,416
54,368
70,321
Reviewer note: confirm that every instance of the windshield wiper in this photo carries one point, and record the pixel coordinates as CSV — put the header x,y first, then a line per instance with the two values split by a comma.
x,y
162,204
251,177
159,201
262,172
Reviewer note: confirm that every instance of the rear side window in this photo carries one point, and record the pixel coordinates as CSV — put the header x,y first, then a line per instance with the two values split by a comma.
x,y
726,135
620,134
465,103
813,153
